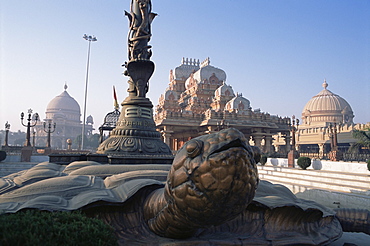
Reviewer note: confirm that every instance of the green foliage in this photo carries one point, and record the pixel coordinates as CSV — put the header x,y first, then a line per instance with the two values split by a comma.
x,y
363,140
94,140
34,227
368,164
2,155
304,162
263,159
91,141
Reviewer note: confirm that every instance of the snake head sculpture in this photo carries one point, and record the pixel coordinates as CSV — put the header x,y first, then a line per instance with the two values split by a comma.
x,y
213,178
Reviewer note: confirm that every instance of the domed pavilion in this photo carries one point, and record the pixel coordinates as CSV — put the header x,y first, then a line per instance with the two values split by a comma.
x,y
322,116
65,111
325,108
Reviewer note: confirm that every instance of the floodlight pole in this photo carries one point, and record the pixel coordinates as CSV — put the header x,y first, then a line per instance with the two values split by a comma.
x,y
89,39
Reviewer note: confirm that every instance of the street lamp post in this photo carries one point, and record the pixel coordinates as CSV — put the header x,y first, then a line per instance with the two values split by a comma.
x,y
29,125
7,128
335,154
295,124
293,154
49,131
89,38
26,152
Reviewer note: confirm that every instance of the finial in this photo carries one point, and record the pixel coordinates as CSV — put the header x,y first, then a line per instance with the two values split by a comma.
x,y
65,86
325,85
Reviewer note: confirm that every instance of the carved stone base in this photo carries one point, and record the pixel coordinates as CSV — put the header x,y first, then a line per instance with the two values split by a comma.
x,y
135,139
26,154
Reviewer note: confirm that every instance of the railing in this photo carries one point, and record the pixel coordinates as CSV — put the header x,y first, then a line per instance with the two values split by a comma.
x,y
356,157
346,156
315,155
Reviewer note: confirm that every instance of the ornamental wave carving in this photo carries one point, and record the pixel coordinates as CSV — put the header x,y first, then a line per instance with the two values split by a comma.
x,y
133,145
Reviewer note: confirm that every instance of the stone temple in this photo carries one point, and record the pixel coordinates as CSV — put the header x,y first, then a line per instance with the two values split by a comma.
x,y
198,101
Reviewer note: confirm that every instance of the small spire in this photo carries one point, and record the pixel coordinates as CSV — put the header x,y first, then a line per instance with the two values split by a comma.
x,y
65,86
325,85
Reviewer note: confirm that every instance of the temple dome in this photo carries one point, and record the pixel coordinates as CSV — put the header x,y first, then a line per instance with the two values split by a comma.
x,y
206,73
63,103
171,95
224,90
327,107
238,103
186,68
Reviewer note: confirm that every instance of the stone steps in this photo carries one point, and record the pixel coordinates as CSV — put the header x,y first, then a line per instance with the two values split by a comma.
x,y
319,179
329,188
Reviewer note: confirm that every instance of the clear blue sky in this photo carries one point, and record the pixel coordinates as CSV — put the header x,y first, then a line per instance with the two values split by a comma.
x,y
276,53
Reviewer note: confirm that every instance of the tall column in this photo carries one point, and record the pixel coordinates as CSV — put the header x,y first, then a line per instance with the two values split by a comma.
x,y
167,139
135,136
287,142
257,140
268,144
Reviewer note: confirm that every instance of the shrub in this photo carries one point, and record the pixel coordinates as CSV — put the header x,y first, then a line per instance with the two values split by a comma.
x,y
263,160
34,227
304,162
368,164
2,155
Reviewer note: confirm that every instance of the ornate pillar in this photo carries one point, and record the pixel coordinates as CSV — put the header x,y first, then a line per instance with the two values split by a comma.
x,y
135,138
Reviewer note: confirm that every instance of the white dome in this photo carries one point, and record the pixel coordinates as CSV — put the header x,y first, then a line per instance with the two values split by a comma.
x,y
206,72
65,103
186,68
327,107
239,103
224,90
171,95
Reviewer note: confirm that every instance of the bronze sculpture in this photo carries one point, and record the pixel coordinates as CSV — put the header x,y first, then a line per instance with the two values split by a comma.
x,y
139,67
210,195
207,197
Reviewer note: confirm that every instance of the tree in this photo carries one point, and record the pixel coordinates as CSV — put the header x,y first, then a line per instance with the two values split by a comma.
x,y
363,140
93,140
90,141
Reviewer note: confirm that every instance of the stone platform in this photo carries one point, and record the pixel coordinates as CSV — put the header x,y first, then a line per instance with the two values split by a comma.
x,y
330,188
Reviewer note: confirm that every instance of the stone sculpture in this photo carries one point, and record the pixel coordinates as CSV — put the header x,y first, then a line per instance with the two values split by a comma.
x,y
210,196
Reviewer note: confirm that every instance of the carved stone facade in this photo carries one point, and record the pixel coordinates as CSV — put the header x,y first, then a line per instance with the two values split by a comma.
x,y
198,101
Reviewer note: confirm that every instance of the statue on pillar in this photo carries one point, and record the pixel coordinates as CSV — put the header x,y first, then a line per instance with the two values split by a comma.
x,y
135,138
140,18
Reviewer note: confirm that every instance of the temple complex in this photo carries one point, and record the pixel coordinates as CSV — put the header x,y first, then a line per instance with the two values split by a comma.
x,y
324,115
198,101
